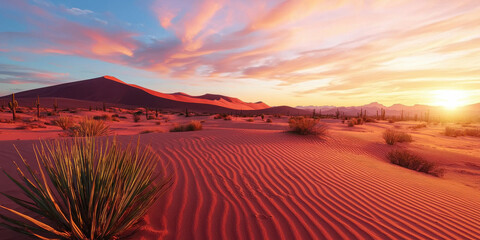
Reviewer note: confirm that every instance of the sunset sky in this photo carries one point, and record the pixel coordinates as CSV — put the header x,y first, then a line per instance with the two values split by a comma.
x,y
302,52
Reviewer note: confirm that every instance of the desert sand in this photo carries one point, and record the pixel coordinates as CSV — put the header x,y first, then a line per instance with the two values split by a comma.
x,y
252,180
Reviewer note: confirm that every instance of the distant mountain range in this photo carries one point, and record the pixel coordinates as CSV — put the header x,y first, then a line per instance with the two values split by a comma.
x,y
394,110
108,89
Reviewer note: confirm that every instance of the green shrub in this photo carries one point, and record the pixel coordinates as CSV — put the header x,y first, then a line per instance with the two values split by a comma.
x,y
409,160
392,136
94,191
306,126
192,126
87,127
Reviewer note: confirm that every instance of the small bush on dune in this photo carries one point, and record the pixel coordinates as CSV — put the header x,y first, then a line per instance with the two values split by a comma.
x,y
269,120
306,126
392,136
409,160
136,117
453,132
418,126
474,132
351,123
95,191
103,117
249,120
192,126
87,127
64,122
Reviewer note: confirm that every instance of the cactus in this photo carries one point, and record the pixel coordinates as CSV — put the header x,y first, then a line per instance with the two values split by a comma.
x,y
156,112
13,106
262,116
186,113
55,105
313,115
146,113
104,107
90,108
383,114
337,113
37,103
402,116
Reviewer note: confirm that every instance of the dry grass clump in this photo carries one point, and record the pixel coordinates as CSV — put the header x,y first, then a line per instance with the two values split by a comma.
x,y
453,132
103,117
150,131
85,189
136,117
474,132
88,127
64,122
418,126
409,160
192,126
392,136
31,126
306,126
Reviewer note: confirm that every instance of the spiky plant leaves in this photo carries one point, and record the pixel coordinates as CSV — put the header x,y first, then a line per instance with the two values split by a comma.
x,y
85,189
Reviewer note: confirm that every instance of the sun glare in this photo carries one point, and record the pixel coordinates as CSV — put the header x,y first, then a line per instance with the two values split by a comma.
x,y
450,99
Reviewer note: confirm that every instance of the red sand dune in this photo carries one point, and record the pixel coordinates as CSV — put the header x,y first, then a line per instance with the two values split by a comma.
x,y
266,184
112,90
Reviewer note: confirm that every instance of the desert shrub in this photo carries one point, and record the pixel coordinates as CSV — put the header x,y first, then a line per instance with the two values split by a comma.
x,y
115,119
149,131
368,120
391,121
228,118
217,116
474,132
306,126
269,120
249,120
88,127
409,160
103,117
359,121
418,126
64,122
392,136
158,123
453,132
96,190
351,123
192,126
151,117
136,117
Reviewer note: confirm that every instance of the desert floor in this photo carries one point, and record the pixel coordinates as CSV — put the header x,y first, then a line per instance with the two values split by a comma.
x,y
252,180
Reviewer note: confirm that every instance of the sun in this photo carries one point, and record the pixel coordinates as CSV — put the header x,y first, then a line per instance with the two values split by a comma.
x,y
450,99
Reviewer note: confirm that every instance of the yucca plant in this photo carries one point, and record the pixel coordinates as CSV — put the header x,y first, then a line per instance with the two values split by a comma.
x,y
88,127
85,189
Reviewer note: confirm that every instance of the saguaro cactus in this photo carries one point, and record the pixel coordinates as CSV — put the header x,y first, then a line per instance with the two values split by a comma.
x,y
37,103
186,113
13,106
104,107
146,113
55,105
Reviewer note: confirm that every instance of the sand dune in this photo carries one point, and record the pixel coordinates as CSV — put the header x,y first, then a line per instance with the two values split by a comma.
x,y
278,186
112,90
245,183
